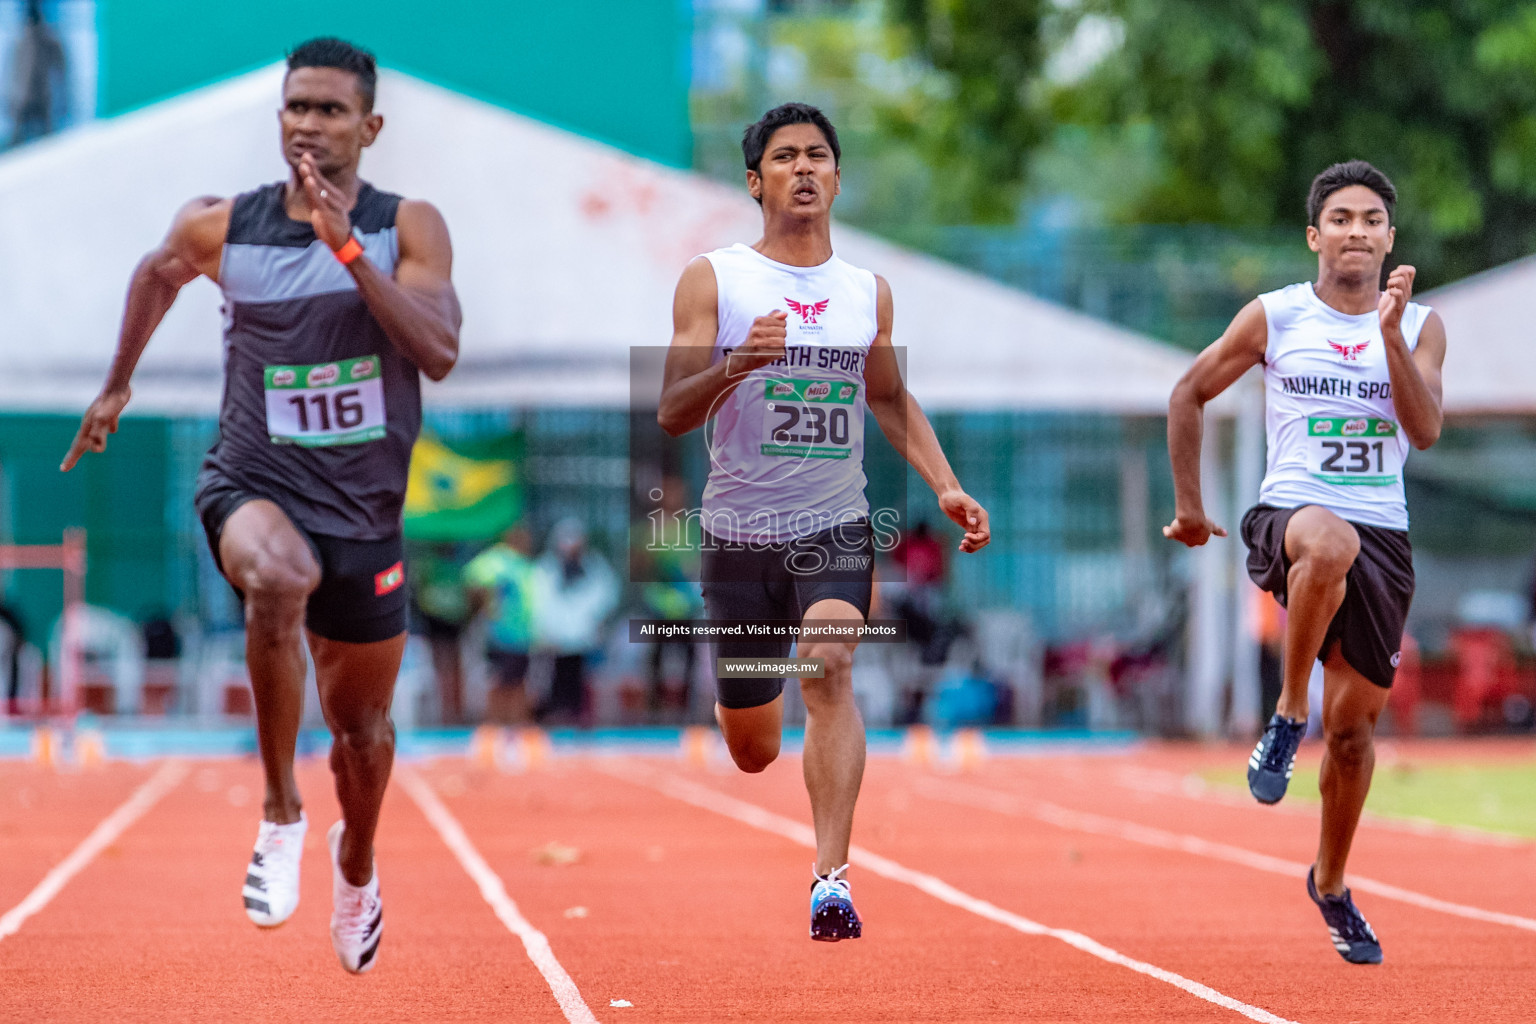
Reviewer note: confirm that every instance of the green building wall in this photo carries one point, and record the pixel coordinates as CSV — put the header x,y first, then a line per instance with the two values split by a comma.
x,y
613,70
119,498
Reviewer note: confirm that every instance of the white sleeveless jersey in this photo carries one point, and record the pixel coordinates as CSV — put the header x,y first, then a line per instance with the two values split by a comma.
x,y
1334,439
787,446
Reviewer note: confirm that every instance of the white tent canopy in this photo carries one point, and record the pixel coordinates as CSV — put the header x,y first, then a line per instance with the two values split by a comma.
x,y
1490,361
566,255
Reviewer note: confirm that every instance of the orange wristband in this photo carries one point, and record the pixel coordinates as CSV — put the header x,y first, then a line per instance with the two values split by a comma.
x,y
349,252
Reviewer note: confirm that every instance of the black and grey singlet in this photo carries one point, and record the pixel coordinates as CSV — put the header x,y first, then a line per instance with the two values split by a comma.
x,y
319,411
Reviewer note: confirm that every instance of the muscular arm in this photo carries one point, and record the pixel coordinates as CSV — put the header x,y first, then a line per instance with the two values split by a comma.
x,y
1415,376
1226,359
418,307
191,248
906,426
691,387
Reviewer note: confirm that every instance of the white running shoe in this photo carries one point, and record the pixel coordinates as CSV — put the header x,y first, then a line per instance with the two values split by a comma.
x,y
272,881
357,915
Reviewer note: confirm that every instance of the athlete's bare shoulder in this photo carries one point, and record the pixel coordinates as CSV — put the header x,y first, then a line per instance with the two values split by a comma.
x,y
207,205
698,274
1249,330
195,242
884,301
424,242
421,218
695,306
1241,346
1430,350
882,371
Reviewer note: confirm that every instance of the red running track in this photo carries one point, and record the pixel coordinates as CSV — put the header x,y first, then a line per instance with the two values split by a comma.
x,y
698,913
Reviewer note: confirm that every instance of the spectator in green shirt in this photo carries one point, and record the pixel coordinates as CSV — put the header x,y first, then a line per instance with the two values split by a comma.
x,y
501,586
442,613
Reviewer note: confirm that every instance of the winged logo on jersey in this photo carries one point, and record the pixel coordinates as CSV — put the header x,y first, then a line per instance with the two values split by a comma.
x,y
808,311
1351,353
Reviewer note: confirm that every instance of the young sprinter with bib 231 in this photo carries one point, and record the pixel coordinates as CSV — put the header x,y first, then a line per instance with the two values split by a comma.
x,y
1351,379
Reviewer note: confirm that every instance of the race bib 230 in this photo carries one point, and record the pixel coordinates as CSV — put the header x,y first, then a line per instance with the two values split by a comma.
x,y
809,419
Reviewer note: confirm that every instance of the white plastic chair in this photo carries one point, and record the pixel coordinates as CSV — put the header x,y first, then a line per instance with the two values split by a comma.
x,y
1008,649
110,649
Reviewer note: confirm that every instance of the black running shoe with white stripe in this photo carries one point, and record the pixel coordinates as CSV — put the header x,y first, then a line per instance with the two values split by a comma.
x,y
357,914
1274,759
1351,933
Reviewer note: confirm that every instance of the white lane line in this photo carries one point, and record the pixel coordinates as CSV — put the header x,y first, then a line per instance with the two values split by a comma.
x,y
1193,787
495,893
765,820
1117,828
101,837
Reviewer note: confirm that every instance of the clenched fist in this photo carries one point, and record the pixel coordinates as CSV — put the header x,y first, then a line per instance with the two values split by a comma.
x,y
764,344
1395,299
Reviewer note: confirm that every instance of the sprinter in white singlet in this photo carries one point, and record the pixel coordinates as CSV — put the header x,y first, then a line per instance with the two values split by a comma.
x,y
1351,380
778,349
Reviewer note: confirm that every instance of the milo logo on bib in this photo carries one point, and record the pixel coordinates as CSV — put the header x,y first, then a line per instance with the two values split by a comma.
x,y
320,376
821,389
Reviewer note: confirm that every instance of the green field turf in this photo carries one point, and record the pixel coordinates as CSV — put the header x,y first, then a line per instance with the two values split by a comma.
x,y
1498,797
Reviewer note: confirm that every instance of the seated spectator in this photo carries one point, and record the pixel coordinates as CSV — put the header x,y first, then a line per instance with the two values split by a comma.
x,y
576,592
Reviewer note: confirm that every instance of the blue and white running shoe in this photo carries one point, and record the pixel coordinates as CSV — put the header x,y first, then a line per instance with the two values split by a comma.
x,y
832,915
1274,759
1351,933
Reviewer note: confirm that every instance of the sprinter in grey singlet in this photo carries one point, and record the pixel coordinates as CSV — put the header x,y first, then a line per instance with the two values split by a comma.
x,y
320,411
337,296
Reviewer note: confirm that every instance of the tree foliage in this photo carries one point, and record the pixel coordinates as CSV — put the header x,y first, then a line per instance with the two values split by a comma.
x,y
1247,101
980,136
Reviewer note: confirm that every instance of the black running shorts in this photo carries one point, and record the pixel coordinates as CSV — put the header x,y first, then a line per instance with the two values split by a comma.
x,y
361,598
1378,589
779,582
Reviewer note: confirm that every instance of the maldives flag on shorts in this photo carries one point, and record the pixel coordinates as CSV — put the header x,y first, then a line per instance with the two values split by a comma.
x,y
388,580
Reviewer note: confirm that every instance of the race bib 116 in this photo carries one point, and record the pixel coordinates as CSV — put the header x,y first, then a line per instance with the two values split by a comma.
x,y
326,404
